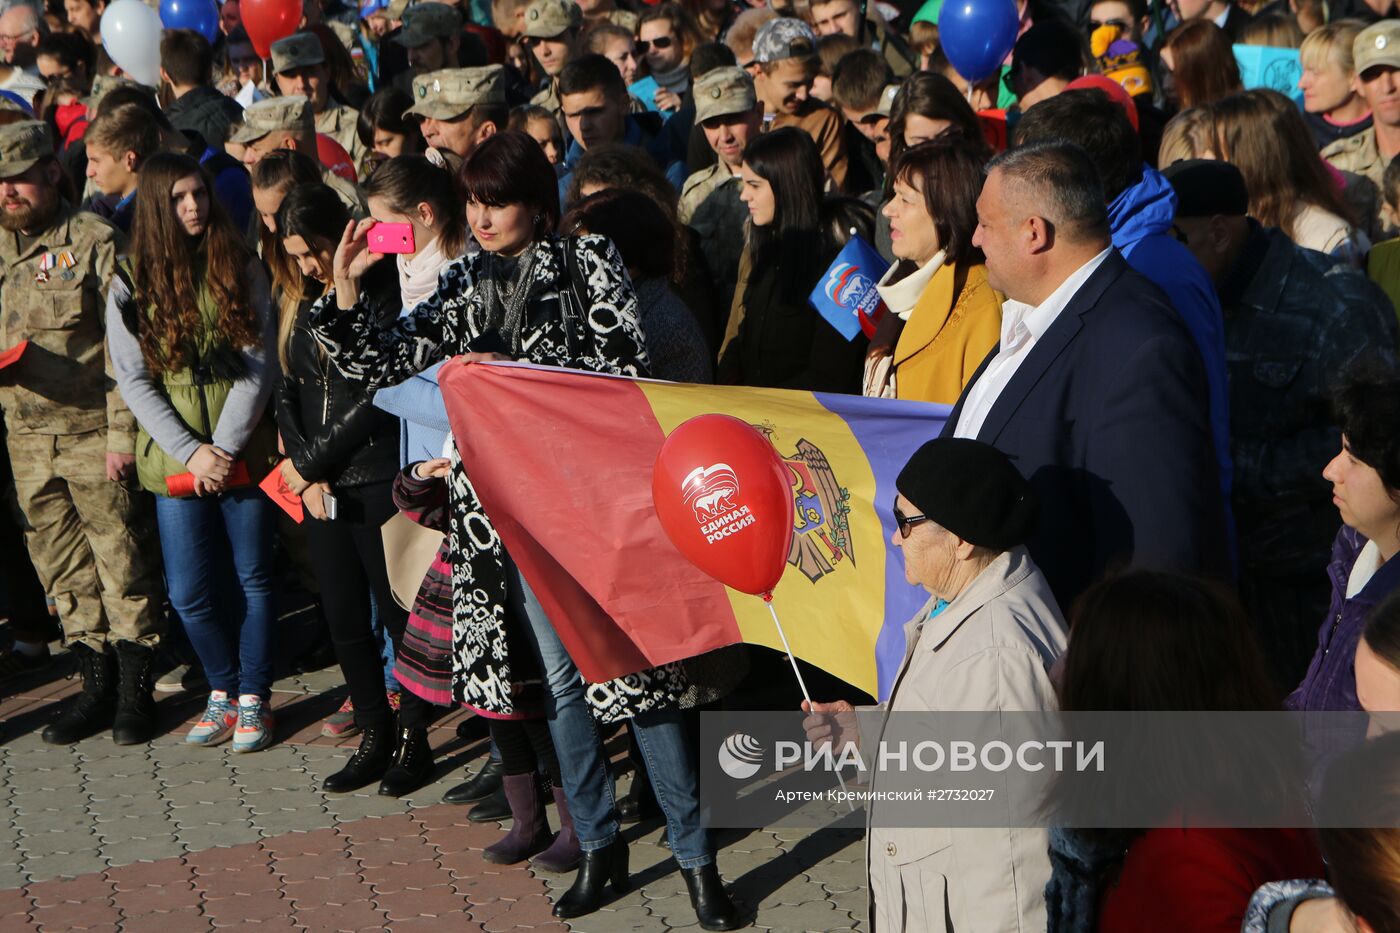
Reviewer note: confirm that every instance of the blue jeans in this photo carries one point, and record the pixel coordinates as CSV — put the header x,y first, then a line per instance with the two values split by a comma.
x,y
661,736
196,535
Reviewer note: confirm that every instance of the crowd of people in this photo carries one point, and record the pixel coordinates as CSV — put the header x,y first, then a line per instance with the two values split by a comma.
x,y
1162,308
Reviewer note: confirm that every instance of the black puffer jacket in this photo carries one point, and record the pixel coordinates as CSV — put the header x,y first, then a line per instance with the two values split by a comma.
x,y
330,427
208,113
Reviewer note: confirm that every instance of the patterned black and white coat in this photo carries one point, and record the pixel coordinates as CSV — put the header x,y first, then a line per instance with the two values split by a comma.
x,y
605,337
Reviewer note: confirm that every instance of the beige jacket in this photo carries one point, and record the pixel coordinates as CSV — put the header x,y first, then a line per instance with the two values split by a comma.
x,y
990,649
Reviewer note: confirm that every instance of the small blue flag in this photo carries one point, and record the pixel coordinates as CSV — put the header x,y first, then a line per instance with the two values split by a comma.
x,y
846,294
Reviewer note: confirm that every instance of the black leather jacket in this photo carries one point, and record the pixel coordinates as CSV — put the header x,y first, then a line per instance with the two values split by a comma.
x,y
330,427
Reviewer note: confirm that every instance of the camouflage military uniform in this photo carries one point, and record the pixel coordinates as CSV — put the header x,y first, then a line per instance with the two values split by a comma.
x,y
92,540
1360,156
711,207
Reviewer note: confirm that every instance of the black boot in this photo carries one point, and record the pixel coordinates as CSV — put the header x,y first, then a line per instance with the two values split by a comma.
x,y
596,869
413,764
135,719
711,902
368,764
486,783
90,711
490,810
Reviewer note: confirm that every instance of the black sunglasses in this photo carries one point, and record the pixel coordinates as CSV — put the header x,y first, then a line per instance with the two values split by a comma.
x,y
906,523
1121,24
660,42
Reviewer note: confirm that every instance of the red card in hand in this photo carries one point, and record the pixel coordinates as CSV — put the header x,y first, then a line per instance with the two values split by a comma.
x,y
278,491
12,355
182,484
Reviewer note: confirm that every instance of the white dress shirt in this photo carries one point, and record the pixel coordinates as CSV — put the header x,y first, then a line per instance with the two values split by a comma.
x,y
1021,326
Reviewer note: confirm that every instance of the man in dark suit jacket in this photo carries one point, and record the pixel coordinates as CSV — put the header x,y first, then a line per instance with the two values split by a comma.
x,y
1096,390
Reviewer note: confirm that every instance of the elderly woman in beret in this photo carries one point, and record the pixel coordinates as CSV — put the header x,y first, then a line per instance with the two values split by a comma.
x,y
985,641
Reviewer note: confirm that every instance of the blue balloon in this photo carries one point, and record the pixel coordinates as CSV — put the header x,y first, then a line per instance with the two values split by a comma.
x,y
200,15
977,35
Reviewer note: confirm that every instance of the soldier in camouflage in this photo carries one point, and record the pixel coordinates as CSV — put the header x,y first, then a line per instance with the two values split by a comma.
x,y
72,442
1376,53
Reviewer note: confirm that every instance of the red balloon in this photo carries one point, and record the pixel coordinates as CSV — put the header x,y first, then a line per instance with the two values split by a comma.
x,y
266,21
333,156
723,497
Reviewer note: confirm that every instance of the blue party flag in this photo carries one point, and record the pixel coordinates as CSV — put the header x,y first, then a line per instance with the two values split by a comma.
x,y
846,294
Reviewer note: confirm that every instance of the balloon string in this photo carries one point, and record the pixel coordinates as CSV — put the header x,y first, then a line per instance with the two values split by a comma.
x,y
768,601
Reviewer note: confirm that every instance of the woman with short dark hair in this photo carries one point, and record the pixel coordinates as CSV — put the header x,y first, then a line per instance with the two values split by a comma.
x,y
1365,479
774,338
928,106
384,130
532,295
944,317
1198,65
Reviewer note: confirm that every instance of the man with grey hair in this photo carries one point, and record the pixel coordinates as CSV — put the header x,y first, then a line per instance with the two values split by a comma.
x,y
21,28
1096,389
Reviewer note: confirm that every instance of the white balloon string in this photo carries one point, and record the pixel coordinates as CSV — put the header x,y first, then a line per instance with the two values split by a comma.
x,y
768,601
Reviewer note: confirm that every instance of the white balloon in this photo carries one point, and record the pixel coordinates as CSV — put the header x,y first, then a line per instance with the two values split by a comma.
x,y
131,36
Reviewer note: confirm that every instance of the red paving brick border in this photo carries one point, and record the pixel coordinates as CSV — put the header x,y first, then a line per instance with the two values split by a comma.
x,y
421,870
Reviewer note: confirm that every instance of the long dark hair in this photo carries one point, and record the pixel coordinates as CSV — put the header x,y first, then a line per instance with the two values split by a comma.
x,y
406,181
164,260
793,243
930,95
314,213
1204,68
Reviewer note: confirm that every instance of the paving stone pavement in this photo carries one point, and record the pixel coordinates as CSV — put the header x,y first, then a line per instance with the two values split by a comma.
x,y
169,838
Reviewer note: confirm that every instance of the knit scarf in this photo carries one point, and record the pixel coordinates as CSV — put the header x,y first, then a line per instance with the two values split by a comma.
x,y
418,274
677,81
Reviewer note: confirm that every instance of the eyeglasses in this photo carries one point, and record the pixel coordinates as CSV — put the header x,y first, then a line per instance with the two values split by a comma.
x,y
1121,24
660,42
906,523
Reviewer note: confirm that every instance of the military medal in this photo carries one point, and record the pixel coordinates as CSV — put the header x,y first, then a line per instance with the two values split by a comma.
x,y
67,261
46,262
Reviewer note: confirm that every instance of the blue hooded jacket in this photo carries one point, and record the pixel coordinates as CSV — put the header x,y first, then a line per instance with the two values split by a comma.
x,y
1141,218
635,136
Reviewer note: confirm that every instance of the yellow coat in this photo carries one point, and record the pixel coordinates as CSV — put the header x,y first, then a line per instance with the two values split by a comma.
x,y
945,340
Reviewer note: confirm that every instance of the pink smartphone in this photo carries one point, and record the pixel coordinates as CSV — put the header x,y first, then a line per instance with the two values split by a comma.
x,y
390,238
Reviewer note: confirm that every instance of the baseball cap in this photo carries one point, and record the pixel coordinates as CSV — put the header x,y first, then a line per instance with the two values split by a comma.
x,y
1208,187
424,22
451,92
23,144
275,113
723,91
545,19
1377,44
298,50
783,38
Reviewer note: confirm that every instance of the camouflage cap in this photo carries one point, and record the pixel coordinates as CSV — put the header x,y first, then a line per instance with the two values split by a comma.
x,y
102,85
545,19
1377,44
424,22
299,50
886,105
23,144
396,9
275,113
783,38
447,94
723,91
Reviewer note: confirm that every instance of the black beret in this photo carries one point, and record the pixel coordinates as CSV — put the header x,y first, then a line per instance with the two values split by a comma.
x,y
1207,187
971,489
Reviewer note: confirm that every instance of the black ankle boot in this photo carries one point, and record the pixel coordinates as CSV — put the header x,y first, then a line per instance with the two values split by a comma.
x,y
90,711
368,764
492,809
596,869
711,902
486,783
413,764
640,801
135,719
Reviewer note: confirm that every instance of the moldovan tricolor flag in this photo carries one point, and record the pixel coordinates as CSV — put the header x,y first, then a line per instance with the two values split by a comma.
x,y
562,462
